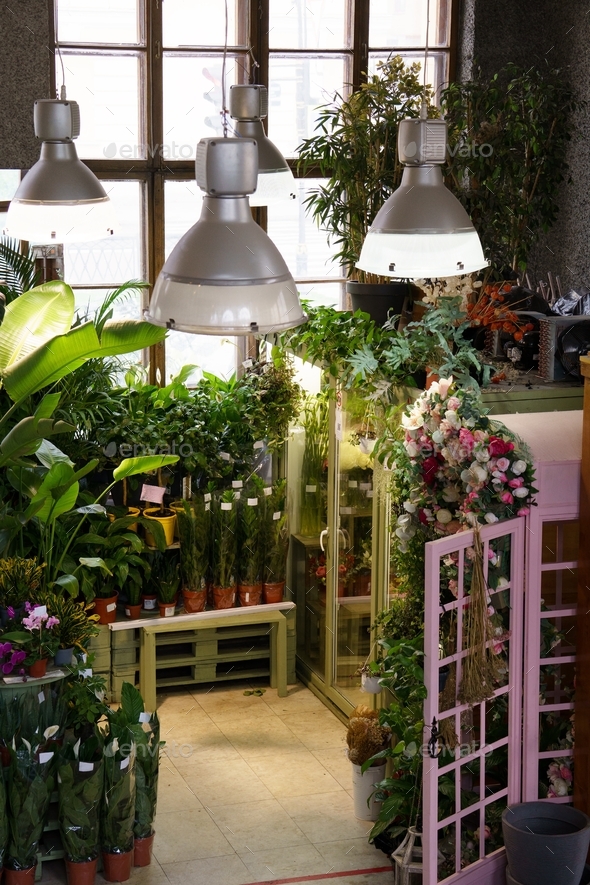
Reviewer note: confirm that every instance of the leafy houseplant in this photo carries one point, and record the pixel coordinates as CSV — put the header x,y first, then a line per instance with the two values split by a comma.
x,y
250,543
224,549
524,119
118,808
76,623
166,581
314,420
20,578
80,789
194,529
4,830
276,542
84,698
38,638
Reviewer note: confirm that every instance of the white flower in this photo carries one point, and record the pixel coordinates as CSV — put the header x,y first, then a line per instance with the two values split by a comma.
x,y
490,518
482,455
453,419
412,449
522,492
438,437
560,787
450,494
471,519
404,521
502,582
475,475
49,732
413,421
411,508
443,387
444,516
519,467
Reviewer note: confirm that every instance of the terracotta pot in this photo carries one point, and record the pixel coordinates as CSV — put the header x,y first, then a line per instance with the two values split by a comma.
x,y
81,872
167,609
117,867
19,877
132,611
149,602
142,855
63,657
224,597
273,592
167,521
249,594
106,609
194,600
38,669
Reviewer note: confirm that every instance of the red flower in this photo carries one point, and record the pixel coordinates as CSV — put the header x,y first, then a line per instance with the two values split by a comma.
x,y
430,468
321,571
497,446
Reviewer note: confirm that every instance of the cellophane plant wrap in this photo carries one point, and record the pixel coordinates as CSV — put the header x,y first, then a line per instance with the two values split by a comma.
x,y
224,539
459,467
80,791
3,818
194,528
276,533
146,730
251,533
118,808
31,782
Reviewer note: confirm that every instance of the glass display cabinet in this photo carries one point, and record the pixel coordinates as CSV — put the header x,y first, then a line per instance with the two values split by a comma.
x,y
339,573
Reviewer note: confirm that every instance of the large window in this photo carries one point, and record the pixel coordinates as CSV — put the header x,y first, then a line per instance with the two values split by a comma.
x,y
148,78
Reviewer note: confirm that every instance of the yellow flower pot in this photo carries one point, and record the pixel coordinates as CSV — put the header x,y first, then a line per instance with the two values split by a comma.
x,y
167,521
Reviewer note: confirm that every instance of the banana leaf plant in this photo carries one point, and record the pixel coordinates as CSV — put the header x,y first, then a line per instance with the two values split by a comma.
x,y
80,792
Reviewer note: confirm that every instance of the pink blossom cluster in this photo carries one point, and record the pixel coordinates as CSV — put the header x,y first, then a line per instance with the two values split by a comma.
x,y
560,778
464,468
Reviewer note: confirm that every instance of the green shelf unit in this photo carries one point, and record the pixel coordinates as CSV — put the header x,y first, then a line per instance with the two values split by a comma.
x,y
532,394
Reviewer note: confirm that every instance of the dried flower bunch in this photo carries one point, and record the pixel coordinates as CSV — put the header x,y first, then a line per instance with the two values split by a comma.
x,y
365,736
491,311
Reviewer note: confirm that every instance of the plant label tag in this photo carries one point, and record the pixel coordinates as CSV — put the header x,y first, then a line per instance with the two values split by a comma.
x,y
267,491
39,611
207,497
207,507
226,505
111,607
225,456
41,697
238,495
247,364
310,489
124,763
365,486
45,757
86,673
346,511
339,428
353,484
259,444
277,515
154,494
370,493
252,502
86,766
145,717
237,484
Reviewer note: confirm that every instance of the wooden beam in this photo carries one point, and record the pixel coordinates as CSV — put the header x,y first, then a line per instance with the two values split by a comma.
x,y
582,699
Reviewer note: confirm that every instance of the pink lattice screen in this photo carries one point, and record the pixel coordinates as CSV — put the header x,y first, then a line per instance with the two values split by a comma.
x,y
467,788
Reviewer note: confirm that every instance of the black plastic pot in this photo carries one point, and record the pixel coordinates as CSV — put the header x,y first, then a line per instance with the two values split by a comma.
x,y
546,843
585,880
378,300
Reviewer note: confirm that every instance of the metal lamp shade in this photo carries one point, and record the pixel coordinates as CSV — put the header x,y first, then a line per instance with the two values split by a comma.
x,y
60,200
275,180
421,231
225,277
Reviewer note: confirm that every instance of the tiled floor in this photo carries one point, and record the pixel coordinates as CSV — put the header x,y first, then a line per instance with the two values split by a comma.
x,y
254,789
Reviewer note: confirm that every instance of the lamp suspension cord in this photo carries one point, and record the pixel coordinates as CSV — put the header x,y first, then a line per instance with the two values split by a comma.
x,y
424,109
62,91
223,66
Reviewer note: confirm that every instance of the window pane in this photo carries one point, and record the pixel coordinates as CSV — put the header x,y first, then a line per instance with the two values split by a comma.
x,y
106,88
297,86
302,244
182,207
403,23
326,294
202,23
192,100
308,24
9,182
128,307
107,21
115,259
436,67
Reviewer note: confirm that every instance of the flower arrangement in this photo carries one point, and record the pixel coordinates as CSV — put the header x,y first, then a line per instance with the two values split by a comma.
x,y
318,570
38,639
491,311
560,777
461,468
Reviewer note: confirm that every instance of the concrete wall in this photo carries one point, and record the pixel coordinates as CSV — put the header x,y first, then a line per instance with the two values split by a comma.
x,y
25,65
494,32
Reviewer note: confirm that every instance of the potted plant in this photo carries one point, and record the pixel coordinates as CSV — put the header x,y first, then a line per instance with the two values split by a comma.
x,y
314,420
166,518
355,148
118,808
19,579
250,539
11,657
276,543
166,581
30,784
37,639
75,626
371,673
4,831
84,695
365,737
194,526
80,793
224,549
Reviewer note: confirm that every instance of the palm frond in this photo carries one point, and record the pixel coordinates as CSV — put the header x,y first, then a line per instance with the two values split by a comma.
x,y
18,273
105,311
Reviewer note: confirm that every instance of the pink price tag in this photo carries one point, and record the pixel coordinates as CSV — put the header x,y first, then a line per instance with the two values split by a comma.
x,y
155,494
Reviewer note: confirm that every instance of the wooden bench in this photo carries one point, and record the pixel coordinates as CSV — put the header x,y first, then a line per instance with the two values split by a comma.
x,y
274,614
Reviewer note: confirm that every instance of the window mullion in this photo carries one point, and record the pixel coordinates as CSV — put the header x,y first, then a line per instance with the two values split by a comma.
x,y
360,41
154,209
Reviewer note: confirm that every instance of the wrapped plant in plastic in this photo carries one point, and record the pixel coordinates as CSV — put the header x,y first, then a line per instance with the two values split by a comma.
x,y
118,808
146,730
80,788
3,818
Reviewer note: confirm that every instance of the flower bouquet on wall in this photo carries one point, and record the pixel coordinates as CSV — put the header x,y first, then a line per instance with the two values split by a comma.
x,y
80,790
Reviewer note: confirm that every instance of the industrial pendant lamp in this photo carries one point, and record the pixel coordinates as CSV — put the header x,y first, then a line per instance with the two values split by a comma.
x,y
248,105
59,200
226,276
422,230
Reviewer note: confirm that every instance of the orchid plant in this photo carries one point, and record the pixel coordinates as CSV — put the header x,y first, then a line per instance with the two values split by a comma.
x,y
37,638
11,658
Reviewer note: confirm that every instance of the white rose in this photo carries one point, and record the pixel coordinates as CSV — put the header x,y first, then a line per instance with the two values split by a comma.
x,y
560,787
444,516
502,582
411,508
404,521
438,437
450,494
482,455
490,518
453,419
519,467
522,492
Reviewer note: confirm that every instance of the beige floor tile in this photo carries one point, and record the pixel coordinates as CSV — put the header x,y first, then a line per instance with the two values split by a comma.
x,y
318,731
174,792
225,783
299,699
209,746
185,836
329,818
336,762
282,863
253,737
352,854
298,774
251,826
220,698
227,870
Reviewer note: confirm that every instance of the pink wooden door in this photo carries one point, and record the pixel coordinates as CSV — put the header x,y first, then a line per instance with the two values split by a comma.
x,y
464,789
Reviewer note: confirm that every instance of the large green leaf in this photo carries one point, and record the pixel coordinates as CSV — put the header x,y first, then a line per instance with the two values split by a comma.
x,y
26,436
34,318
48,454
142,464
58,491
126,336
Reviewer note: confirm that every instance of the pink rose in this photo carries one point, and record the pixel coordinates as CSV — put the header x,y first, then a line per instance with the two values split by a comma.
x,y
480,435
453,587
506,498
501,477
498,647
453,403
565,773
516,483
553,770
503,464
551,794
466,438
443,387
497,446
524,511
